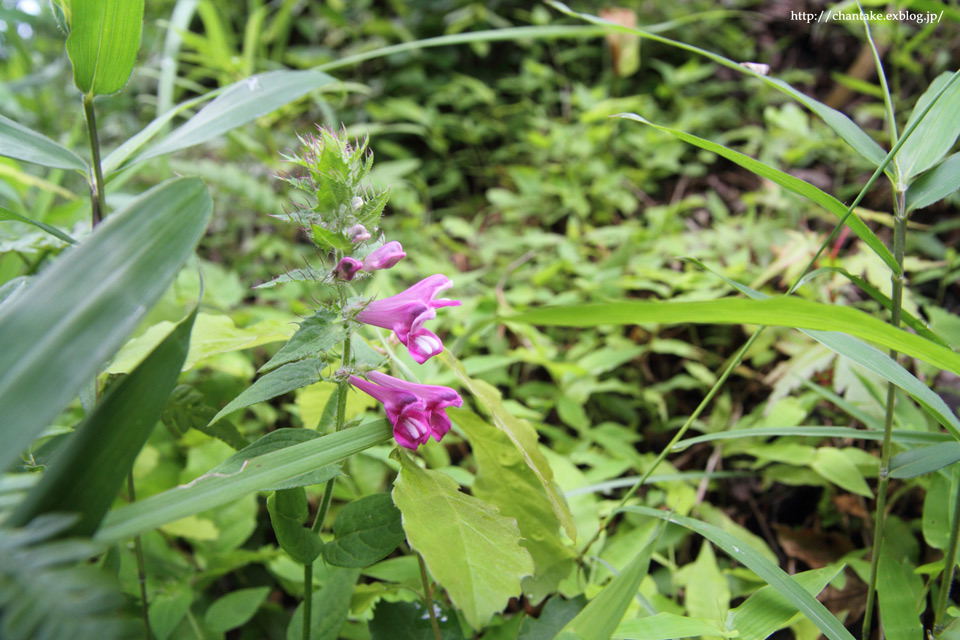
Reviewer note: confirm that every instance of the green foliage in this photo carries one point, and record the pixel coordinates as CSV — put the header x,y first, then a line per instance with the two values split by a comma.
x,y
288,514
365,531
102,44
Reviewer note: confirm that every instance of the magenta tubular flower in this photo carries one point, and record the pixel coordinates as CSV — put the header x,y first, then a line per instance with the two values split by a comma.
x,y
406,412
348,267
385,257
406,312
358,233
435,400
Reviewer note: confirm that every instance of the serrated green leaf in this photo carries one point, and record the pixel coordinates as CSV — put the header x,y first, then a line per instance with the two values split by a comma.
x,y
234,609
924,460
294,275
934,185
505,480
786,181
103,42
317,334
772,574
330,606
287,378
331,240
85,304
187,408
936,133
523,436
275,441
767,610
87,474
214,489
241,103
365,531
288,513
471,549
22,143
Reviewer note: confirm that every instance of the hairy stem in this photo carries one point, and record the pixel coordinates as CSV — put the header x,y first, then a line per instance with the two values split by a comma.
x,y
141,567
428,597
97,202
950,564
880,516
342,388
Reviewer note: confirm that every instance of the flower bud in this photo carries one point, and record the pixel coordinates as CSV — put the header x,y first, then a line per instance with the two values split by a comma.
x,y
348,267
358,233
356,203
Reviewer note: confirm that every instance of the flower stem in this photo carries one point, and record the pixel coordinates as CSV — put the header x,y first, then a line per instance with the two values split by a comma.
x,y
880,516
950,564
97,203
342,388
428,597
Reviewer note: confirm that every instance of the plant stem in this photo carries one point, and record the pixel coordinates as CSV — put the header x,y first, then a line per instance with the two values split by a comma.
x,y
428,597
950,563
141,567
97,203
880,517
342,388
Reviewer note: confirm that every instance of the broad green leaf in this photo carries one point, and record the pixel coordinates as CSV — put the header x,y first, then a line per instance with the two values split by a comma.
x,y
706,591
897,590
787,181
6,214
924,460
505,480
899,435
276,383
213,334
167,609
329,607
317,334
214,489
17,141
772,574
767,610
841,124
471,549
936,133
243,102
365,531
103,42
830,463
82,307
666,626
523,436
820,321
234,609
275,441
600,618
937,505
934,185
289,512
87,474
409,621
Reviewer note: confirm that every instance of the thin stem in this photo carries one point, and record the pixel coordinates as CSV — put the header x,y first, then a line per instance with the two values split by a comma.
x,y
141,567
342,388
950,564
97,202
880,516
428,597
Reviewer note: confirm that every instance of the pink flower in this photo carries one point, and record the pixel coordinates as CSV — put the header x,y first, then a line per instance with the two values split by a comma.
x,y
385,257
417,411
358,233
406,312
348,267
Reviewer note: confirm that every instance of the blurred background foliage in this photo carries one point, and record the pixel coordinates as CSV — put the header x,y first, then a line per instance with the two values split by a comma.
x,y
507,173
